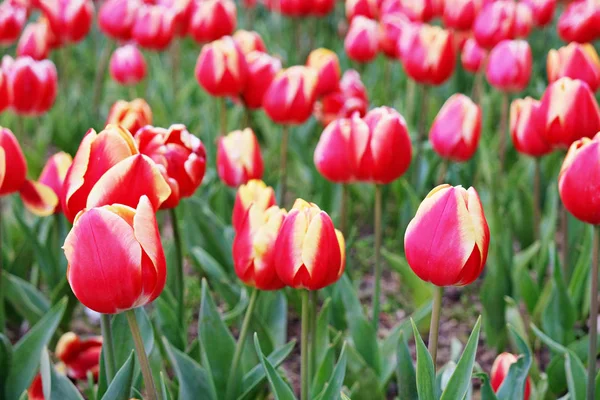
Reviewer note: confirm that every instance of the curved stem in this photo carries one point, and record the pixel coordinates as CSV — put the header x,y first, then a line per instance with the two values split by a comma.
x,y
537,199
283,164
305,386
179,284
378,268
108,348
591,386
141,354
434,328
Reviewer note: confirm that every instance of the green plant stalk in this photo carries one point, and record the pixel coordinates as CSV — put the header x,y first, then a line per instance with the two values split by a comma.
x,y
175,53
141,354
411,89
2,311
422,132
537,199
312,355
99,78
223,115
179,283
343,209
503,129
283,164
232,385
108,348
564,254
434,328
304,348
378,266
591,384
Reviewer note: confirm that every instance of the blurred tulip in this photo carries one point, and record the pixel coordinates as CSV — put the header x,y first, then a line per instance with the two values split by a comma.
x,y
249,41
456,129
13,168
4,99
79,355
365,8
221,68
447,241
461,14
495,23
350,98
509,66
253,193
70,20
32,85
390,30
523,20
127,65
131,115
419,10
291,97
238,158
579,22
309,252
12,21
473,56
262,68
253,248
527,127
213,19
577,61
327,64
34,41
570,111
321,8
154,27
542,11
362,40
499,372
116,260
116,18
36,389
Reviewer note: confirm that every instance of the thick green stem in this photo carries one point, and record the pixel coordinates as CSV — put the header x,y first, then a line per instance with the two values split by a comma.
x,y
283,164
247,117
537,199
434,328
564,254
141,354
411,89
312,355
591,386
2,312
232,386
378,267
305,385
343,209
477,87
503,129
175,52
422,132
179,283
99,78
223,115
108,347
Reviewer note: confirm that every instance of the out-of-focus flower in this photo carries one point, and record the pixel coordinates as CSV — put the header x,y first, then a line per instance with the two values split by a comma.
x,y
509,66
447,241
131,115
495,23
70,20
390,29
4,99
116,259
473,56
542,11
13,168
212,19
221,68
362,40
291,97
262,68
12,21
327,64
79,355
365,8
255,192
154,27
36,389
577,61
499,372
238,158
290,8
321,8
579,22
350,98
34,41
420,10
461,14
249,41
32,85
523,20
127,65
527,127
116,18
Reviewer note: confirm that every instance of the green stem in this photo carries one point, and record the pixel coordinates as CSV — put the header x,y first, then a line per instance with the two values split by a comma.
x,y
2,312
422,132
99,78
223,115
442,172
179,283
232,385
312,359
591,386
343,208
411,89
141,354
477,87
378,267
537,199
564,254
434,328
305,386
175,52
247,117
108,348
503,129
283,164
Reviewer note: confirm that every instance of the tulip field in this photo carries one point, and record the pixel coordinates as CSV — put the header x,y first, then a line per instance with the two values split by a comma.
x,y
299,199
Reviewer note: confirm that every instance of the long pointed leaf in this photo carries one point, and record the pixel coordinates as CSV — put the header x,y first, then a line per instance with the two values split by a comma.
x,y
280,389
425,369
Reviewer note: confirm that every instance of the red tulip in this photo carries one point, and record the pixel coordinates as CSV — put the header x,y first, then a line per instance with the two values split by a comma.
x,y
309,252
254,193
365,8
327,64
34,41
116,259
321,8
291,97
500,369
154,27
116,18
12,21
131,115
473,56
70,20
262,69
447,241
362,40
419,10
36,389
456,129
542,11
182,9
523,20
249,3
390,30
213,19
4,99
13,168
238,158
509,66
249,41
461,14
579,22
495,23
527,127
577,61
221,68
127,65
350,98
290,8
32,85
80,356
571,112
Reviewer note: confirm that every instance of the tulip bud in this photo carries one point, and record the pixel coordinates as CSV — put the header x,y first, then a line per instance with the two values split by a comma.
x,y
350,98
262,69
495,23
461,14
309,252
527,127
500,369
362,40
212,20
32,85
127,65
579,22
249,41
254,193
292,8
419,10
571,112
456,129
221,68
4,99
238,158
13,168
116,18
291,97
542,11
80,356
253,248
365,8
509,66
12,21
36,389
71,20
154,27
116,260
447,241
131,115
327,64
321,8
577,61
523,20
34,42
473,56
390,30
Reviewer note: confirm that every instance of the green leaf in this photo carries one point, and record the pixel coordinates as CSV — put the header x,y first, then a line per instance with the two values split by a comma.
x,y
6,354
120,387
27,300
576,376
461,378
167,320
487,393
425,369
122,335
56,386
280,389
26,354
421,291
513,386
334,387
405,372
193,378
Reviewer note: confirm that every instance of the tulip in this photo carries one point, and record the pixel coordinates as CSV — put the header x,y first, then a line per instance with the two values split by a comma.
x,y
473,56
327,65
362,40
291,96
350,98
154,27
527,127
13,168
12,20
213,19
321,8
117,17
509,66
262,68
461,14
238,158
79,355
4,99
249,41
71,20
542,11
127,65
32,85
36,389
577,61
523,20
131,115
291,8
571,112
500,369
365,8
34,41
419,10
579,22
390,29
254,193
221,68
456,129
495,23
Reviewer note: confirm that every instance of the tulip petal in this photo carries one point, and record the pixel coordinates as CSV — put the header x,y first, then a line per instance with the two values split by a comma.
x,y
288,248
38,198
319,250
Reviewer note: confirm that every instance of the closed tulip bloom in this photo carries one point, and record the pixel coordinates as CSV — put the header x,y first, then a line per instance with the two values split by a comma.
x,y
36,389
253,193
542,11
131,115
116,259
390,29
32,85
116,18
34,41
4,99
321,8
71,20
309,253
13,168
527,127
238,158
472,56
12,21
79,355
262,69
127,65
213,19
447,241
456,129
253,248
327,64
154,27
571,112
509,66
419,10
577,61
221,68
291,97
523,20
579,22
292,8
461,14
365,8
499,372
249,41
362,40
495,23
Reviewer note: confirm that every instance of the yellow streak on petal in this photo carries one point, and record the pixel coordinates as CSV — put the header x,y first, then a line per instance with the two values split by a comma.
x,y
310,245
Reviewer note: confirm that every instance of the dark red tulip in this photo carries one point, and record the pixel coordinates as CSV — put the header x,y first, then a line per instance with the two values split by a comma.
x,y
32,85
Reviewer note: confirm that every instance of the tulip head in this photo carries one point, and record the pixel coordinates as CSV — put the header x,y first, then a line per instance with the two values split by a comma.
x,y
542,11
579,22
527,127
262,69
499,372
291,96
327,64
577,61
249,41
71,20
365,8
461,14
362,40
472,56
255,193
80,356
127,65
321,8
495,23
13,168
34,41
509,66
12,20
391,27
523,20
350,98
36,389
221,68
154,27
131,115
32,85
116,18
238,158
420,10
213,19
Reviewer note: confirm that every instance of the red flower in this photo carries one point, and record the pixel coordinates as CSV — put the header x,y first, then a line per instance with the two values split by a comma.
x,y
291,97
461,14
350,98
36,390
420,10
365,8
527,127
79,355
500,369
262,69
249,41
327,65
254,193
131,115
577,61
579,22
509,66
12,21
221,68
70,20
116,18
13,168
34,41
391,27
154,27
473,56
127,65
542,10
238,158
362,40
495,23
212,19
32,85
